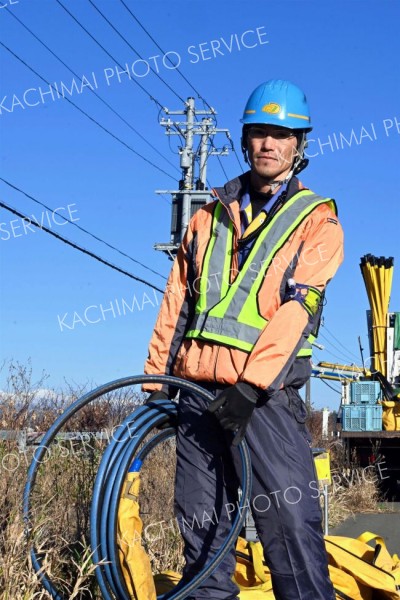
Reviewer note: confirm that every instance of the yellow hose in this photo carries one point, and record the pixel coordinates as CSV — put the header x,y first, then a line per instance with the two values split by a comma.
x,y
377,273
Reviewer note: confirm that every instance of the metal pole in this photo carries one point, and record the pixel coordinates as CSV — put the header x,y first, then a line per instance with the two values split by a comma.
x,y
187,165
203,153
326,510
325,423
308,397
187,200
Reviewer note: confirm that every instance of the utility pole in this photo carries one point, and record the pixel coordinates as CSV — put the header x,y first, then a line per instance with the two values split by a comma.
x,y
308,397
193,191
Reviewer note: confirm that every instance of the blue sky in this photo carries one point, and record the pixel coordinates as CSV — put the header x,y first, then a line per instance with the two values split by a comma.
x,y
343,54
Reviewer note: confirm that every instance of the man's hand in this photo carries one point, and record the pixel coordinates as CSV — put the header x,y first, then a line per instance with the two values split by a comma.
x,y
233,408
159,395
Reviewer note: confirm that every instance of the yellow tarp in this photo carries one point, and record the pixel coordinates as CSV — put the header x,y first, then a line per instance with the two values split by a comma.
x,y
391,415
356,568
135,563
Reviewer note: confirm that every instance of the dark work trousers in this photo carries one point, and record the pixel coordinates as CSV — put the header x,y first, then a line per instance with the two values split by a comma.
x,y
284,499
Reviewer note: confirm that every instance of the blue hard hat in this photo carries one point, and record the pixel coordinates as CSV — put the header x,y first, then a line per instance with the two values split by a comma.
x,y
278,102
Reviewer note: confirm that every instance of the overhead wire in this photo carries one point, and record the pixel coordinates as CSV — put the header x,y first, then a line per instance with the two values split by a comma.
x,y
339,342
234,150
81,228
164,53
80,248
222,167
205,103
188,82
347,355
170,146
92,90
150,96
341,358
176,126
326,350
219,159
330,386
135,51
86,114
191,85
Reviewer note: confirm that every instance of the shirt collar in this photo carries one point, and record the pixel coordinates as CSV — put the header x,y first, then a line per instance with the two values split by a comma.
x,y
245,203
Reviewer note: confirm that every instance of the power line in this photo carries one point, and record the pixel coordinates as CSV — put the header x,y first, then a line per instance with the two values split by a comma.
x,y
223,169
234,151
108,54
219,160
86,114
349,357
339,342
81,228
332,354
330,386
164,53
341,358
177,69
92,90
88,252
135,51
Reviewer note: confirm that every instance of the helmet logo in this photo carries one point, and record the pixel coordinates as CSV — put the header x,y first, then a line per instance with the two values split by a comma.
x,y
272,108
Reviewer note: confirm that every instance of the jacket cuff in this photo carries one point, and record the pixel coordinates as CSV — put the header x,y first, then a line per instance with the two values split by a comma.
x,y
249,391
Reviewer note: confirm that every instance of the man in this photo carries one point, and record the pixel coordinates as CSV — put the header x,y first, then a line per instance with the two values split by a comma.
x,y
239,315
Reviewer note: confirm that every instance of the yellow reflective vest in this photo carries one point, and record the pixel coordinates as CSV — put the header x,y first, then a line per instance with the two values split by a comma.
x,y
227,313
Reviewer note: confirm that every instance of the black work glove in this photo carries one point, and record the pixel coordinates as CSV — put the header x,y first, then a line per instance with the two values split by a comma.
x,y
233,408
159,395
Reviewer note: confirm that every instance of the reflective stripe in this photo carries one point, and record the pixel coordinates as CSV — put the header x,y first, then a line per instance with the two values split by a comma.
x,y
263,252
298,116
229,330
218,253
306,349
226,271
228,314
304,352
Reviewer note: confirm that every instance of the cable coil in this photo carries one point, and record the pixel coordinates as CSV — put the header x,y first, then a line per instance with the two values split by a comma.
x,y
126,447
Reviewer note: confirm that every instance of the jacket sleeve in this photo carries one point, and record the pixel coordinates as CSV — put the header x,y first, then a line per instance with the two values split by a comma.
x,y
276,348
174,315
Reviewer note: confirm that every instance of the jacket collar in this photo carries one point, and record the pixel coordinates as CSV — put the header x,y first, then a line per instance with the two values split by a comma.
x,y
234,189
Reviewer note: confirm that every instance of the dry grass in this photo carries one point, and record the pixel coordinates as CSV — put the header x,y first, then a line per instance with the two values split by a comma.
x,y
361,495
61,501
354,489
60,519
163,541
61,510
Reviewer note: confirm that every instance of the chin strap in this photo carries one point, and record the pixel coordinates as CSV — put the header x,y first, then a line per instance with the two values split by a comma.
x,y
297,168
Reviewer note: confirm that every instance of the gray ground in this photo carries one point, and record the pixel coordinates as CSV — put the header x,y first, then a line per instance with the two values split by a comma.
x,y
387,525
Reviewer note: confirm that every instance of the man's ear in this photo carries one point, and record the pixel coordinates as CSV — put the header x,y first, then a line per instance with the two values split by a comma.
x,y
243,143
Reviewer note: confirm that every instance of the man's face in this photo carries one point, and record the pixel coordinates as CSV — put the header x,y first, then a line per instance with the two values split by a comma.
x,y
271,150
